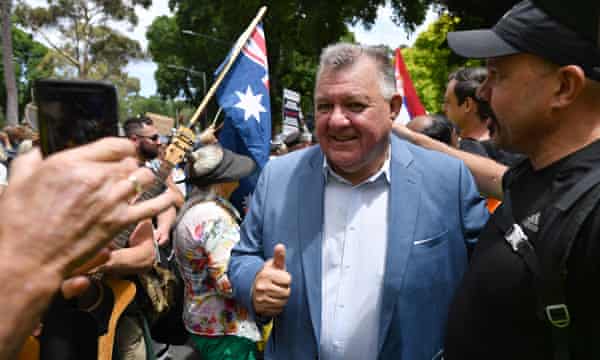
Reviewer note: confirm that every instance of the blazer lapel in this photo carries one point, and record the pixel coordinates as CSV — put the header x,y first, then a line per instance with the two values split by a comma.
x,y
311,186
404,203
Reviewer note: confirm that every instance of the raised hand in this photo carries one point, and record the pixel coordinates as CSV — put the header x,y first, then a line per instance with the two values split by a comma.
x,y
272,285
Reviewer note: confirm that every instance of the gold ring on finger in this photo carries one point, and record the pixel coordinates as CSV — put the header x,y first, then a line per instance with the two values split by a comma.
x,y
136,184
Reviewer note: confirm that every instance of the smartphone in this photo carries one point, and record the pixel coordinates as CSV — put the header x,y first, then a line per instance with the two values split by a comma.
x,y
74,112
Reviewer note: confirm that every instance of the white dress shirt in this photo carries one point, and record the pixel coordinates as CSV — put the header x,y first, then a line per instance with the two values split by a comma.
x,y
353,263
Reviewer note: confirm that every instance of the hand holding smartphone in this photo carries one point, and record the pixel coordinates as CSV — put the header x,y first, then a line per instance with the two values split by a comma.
x,y
74,112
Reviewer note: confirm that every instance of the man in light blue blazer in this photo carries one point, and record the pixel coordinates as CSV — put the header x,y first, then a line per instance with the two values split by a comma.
x,y
355,247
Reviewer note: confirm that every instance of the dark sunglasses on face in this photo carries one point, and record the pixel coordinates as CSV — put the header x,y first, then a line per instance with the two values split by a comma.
x,y
152,137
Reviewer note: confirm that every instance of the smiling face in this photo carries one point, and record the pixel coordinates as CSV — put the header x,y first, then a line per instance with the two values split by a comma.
x,y
353,120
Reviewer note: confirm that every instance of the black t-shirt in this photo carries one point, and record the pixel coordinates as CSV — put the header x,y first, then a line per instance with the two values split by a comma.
x,y
488,149
493,315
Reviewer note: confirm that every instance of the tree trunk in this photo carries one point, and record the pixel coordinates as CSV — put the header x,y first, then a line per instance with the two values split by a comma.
x,y
12,105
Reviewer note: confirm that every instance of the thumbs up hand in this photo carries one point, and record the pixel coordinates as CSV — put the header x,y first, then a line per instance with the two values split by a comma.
x,y
272,285
279,257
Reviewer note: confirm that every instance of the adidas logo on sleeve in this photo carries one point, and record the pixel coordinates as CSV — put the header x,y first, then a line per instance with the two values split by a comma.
x,y
532,222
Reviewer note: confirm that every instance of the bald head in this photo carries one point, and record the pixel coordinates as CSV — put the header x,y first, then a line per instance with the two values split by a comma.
x,y
437,127
420,123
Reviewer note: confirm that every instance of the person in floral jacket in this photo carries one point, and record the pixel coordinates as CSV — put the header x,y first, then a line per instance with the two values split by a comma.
x,y
205,232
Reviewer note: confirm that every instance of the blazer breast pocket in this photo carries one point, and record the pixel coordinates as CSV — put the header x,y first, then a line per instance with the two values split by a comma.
x,y
431,241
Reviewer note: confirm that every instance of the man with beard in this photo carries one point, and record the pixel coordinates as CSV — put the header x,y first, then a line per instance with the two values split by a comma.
x,y
70,327
140,252
526,294
142,131
473,115
56,213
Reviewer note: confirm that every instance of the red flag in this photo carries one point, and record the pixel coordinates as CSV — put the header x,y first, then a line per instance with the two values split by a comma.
x,y
411,102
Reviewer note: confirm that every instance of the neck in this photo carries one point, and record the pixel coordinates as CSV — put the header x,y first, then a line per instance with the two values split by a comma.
x,y
475,129
356,177
578,133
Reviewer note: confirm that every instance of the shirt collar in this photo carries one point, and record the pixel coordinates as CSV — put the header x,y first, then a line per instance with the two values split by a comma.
x,y
384,172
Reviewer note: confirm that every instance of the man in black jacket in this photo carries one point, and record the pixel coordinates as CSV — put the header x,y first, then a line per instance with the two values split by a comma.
x,y
543,84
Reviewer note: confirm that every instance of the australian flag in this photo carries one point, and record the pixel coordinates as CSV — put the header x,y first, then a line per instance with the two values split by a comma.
x,y
244,97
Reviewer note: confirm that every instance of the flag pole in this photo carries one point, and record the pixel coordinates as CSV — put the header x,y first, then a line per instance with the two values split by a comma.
x,y
234,54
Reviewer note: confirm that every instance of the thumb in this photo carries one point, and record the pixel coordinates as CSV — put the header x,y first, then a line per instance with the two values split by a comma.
x,y
279,257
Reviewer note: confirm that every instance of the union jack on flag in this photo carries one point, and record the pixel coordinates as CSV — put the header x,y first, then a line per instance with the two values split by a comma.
x,y
256,50
244,97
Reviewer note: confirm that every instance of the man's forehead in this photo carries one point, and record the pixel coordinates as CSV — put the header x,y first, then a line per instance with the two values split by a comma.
x,y
344,93
501,61
147,130
450,86
351,82
361,65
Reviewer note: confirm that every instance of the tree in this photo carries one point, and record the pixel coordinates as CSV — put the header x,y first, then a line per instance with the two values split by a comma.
x,y
10,81
477,13
430,61
135,105
29,61
296,31
88,46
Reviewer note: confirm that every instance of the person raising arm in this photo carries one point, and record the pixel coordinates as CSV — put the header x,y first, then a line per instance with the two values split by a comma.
x,y
57,213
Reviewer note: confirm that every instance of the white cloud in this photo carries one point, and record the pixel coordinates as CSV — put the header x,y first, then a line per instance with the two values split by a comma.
x,y
145,18
143,70
385,32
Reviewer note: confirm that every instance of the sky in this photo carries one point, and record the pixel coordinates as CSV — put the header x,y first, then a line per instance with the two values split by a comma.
x,y
384,32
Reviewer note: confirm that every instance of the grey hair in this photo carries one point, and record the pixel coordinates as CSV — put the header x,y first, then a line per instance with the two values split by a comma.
x,y
342,55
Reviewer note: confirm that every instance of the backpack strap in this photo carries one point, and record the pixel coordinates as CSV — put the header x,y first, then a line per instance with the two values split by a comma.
x,y
564,222
548,263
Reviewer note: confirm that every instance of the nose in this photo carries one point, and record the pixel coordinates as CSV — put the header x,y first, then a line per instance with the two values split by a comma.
x,y
337,118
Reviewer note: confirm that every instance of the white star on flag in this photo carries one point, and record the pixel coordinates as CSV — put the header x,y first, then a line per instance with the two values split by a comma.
x,y
251,104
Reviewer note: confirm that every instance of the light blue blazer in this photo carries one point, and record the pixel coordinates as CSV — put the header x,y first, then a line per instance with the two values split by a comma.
x,y
435,212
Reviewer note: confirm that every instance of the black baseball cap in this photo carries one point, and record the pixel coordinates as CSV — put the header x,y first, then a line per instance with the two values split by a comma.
x,y
546,28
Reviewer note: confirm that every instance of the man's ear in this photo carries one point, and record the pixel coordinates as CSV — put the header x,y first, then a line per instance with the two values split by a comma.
x,y
469,104
570,82
395,105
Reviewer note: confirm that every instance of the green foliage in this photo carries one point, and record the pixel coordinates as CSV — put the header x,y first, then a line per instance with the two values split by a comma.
x,y
87,46
134,105
430,61
476,13
296,31
29,58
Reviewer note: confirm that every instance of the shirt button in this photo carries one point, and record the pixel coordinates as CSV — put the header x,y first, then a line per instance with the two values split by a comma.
x,y
352,228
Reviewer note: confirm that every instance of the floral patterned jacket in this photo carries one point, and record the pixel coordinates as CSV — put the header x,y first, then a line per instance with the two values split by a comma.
x,y
203,240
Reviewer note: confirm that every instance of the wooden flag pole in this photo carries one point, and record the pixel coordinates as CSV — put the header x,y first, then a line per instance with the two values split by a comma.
x,y
234,54
214,122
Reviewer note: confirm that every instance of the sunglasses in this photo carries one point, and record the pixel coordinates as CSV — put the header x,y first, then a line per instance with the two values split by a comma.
x,y
154,137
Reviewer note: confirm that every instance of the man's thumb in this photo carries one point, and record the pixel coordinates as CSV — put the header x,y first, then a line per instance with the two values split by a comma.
x,y
279,256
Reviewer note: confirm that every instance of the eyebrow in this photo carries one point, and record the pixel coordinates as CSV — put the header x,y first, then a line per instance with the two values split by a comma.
x,y
348,97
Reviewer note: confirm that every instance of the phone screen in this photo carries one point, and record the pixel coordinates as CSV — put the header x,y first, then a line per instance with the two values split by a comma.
x,y
74,112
